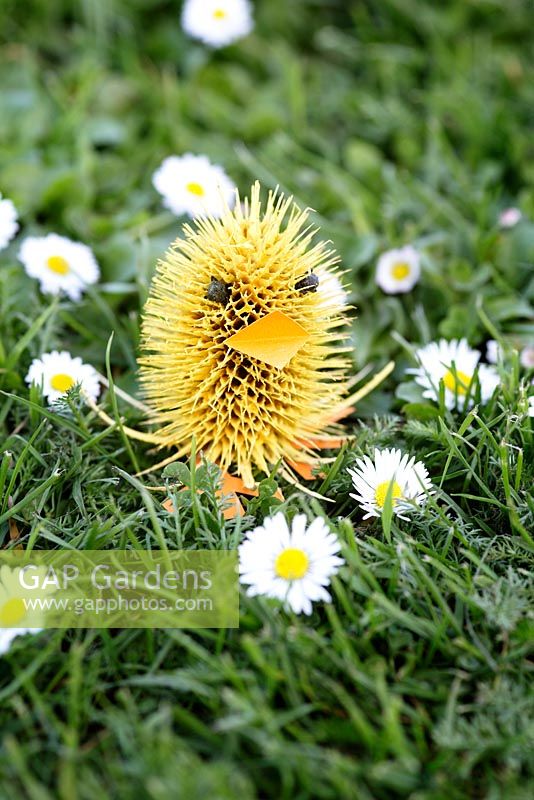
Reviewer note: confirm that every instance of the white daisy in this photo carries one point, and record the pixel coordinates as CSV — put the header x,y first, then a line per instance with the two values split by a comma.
x,y
290,565
454,363
398,271
217,22
531,406
510,217
332,292
493,351
8,222
13,608
58,372
59,264
526,357
193,185
407,477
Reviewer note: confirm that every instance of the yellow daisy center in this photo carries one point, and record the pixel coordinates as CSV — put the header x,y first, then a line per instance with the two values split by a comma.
x,y
58,264
382,490
291,564
219,13
400,270
12,611
61,382
195,188
457,382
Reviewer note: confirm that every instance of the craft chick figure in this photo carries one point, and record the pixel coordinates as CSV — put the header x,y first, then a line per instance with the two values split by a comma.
x,y
240,349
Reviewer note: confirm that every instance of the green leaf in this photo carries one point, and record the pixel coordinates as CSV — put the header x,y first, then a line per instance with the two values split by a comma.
x,y
421,411
178,471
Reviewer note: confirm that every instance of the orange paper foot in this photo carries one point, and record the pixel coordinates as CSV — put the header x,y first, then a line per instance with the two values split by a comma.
x,y
231,486
306,470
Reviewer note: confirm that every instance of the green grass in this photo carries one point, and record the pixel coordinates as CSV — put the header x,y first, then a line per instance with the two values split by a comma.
x,y
397,122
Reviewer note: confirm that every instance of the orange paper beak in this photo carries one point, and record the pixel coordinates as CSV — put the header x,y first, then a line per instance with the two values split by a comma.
x,y
273,339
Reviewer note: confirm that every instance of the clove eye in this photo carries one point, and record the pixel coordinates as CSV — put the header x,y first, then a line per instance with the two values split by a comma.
x,y
308,283
218,292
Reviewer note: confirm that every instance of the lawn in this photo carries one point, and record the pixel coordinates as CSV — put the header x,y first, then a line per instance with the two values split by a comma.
x,y
399,123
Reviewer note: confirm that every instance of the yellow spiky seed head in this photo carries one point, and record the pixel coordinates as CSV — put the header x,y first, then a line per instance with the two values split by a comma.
x,y
226,274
